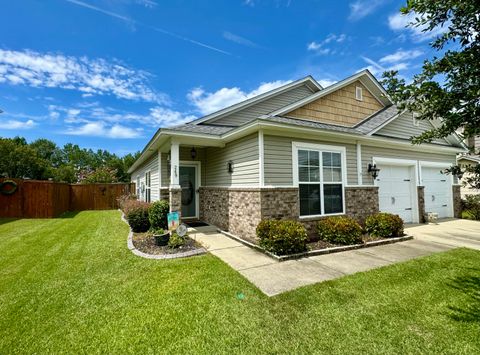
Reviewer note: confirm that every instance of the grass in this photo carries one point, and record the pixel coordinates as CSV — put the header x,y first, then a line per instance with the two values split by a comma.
x,y
70,285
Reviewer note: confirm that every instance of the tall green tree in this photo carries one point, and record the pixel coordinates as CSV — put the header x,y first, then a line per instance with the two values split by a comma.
x,y
448,87
19,160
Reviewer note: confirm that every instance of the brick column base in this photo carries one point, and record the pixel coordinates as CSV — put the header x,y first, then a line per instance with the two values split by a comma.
x,y
175,199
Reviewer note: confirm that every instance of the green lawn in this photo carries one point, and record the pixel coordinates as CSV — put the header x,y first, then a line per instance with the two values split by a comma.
x,y
71,285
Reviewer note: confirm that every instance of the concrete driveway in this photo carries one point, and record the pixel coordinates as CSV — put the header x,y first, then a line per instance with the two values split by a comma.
x,y
273,277
451,232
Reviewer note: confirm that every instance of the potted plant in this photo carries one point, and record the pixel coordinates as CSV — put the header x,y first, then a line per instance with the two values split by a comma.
x,y
161,236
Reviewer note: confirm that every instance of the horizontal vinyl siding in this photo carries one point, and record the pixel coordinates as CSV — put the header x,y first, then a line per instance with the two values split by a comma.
x,y
278,159
368,152
150,165
403,127
264,107
243,153
185,155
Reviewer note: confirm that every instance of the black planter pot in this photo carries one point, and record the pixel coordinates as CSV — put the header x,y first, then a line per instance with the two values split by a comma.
x,y
162,239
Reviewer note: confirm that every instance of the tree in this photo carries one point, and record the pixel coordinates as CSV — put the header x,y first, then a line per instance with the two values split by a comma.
x,y
448,87
100,175
18,160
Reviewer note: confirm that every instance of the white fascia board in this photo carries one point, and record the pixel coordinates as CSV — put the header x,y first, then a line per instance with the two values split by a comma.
x,y
330,89
259,98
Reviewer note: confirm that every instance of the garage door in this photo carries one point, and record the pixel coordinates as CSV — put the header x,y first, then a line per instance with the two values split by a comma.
x,y
438,192
396,190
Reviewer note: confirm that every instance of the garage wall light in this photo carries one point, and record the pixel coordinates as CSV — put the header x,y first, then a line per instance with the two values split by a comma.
x,y
230,166
373,170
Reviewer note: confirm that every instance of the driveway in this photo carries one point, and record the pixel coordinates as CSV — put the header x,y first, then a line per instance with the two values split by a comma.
x,y
273,277
451,232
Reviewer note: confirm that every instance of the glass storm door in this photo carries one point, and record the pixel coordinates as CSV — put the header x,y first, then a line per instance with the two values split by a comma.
x,y
188,182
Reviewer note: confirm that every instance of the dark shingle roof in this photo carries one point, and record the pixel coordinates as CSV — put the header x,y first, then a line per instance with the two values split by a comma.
x,y
376,120
202,128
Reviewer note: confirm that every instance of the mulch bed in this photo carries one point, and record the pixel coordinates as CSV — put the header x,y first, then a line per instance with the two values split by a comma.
x,y
322,244
145,242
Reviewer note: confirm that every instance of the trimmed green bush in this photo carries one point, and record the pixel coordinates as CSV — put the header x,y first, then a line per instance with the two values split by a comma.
x,y
471,207
340,230
157,214
136,213
282,237
175,241
384,225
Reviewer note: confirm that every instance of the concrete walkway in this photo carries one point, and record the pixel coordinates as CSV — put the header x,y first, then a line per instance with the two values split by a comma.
x,y
273,277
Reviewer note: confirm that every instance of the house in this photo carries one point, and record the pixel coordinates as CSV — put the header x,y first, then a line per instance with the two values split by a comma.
x,y
463,160
301,152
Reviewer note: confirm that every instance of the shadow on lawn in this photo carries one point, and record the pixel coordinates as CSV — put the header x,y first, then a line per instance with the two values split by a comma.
x,y
469,311
7,220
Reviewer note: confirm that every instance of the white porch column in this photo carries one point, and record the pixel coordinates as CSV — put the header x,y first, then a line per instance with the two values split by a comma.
x,y
174,165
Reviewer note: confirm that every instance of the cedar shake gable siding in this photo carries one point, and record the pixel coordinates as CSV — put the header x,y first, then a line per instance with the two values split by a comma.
x,y
340,107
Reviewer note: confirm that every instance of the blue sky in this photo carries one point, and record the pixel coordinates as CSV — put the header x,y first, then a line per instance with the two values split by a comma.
x,y
107,73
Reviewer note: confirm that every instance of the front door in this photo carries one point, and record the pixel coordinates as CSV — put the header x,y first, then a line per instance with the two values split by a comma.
x,y
188,182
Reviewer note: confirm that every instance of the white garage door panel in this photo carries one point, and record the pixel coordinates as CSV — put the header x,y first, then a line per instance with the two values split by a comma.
x,y
395,190
438,197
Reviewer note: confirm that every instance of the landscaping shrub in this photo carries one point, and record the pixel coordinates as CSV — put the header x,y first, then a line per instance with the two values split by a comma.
x,y
123,199
136,213
282,237
157,214
471,207
340,230
384,225
175,241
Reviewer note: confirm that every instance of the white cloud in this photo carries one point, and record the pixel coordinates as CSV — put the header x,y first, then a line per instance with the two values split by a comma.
x,y
401,55
321,47
92,76
147,3
15,124
232,37
208,102
399,22
100,129
361,8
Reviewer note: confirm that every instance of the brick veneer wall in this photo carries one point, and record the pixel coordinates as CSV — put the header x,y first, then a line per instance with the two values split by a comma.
x,y
361,202
421,203
239,210
457,201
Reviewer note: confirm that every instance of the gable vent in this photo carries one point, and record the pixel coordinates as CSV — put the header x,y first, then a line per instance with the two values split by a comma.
x,y
358,93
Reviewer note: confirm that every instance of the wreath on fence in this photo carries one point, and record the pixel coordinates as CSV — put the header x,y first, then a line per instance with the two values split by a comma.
x,y
8,187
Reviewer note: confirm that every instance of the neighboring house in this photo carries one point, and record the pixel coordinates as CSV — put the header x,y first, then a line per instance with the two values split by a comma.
x,y
464,160
301,152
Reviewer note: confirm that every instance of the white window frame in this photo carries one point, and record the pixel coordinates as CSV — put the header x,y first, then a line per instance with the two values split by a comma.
x,y
138,188
321,148
358,93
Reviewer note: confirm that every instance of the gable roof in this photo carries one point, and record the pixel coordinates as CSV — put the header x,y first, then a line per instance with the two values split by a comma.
x,y
308,80
365,77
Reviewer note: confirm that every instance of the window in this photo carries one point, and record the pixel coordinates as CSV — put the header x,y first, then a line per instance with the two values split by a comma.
x,y
320,180
139,191
148,182
358,93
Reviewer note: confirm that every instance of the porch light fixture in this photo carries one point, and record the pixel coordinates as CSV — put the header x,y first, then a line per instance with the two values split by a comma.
x,y
373,170
193,153
230,166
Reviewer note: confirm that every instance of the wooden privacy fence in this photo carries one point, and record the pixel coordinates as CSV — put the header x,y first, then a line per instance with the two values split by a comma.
x,y
47,199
